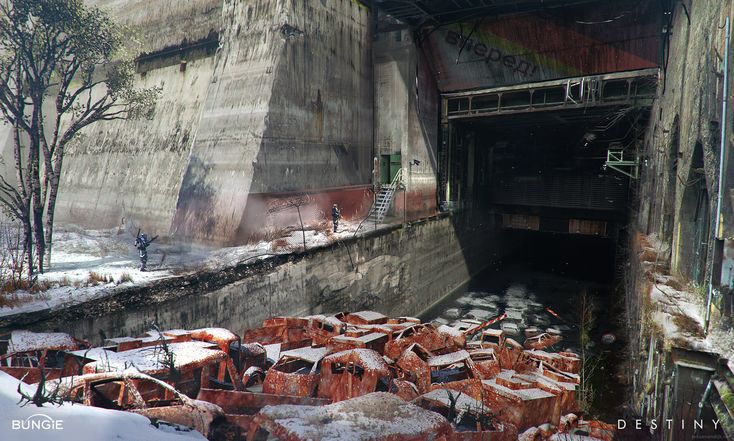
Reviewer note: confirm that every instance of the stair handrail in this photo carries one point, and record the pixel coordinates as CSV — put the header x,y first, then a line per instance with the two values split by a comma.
x,y
396,180
393,186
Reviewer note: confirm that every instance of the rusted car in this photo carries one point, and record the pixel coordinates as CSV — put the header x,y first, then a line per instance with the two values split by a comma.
x,y
490,338
366,340
222,337
247,355
366,318
296,373
519,400
321,328
456,371
412,366
427,371
377,416
404,389
136,392
240,407
353,373
470,418
485,361
278,330
542,341
403,320
26,354
188,365
425,335
457,335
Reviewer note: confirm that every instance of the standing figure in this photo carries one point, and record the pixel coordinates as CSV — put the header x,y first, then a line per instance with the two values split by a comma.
x,y
142,243
335,216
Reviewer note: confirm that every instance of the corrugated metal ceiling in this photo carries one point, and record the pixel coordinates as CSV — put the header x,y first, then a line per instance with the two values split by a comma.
x,y
436,12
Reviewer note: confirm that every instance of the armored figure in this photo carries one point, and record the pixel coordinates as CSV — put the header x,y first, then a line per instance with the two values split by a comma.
x,y
142,243
335,216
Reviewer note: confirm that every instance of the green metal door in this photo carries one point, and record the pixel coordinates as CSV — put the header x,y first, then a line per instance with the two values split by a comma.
x,y
395,164
389,166
384,169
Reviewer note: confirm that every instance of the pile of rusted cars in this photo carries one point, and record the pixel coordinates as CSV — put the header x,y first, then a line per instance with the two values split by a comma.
x,y
357,375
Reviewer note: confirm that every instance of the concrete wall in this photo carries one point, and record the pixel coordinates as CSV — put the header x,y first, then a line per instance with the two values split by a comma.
x,y
402,271
261,101
159,24
406,118
133,170
678,181
290,111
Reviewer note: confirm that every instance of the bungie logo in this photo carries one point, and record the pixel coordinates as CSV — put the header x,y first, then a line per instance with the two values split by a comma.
x,y
37,421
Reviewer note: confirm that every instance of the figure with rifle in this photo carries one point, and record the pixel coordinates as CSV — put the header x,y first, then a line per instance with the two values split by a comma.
x,y
336,214
142,243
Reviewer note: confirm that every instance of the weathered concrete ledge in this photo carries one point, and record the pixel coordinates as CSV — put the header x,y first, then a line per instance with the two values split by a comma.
x,y
400,270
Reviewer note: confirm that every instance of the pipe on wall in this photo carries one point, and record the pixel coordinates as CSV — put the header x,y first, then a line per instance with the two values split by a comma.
x,y
717,231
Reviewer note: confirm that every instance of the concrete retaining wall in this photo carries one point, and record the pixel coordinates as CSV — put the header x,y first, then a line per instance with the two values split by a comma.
x,y
402,271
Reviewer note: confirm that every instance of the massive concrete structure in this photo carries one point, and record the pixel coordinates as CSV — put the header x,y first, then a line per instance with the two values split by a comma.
x,y
266,100
261,100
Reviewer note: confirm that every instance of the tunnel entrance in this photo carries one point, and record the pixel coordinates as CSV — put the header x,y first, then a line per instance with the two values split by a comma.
x,y
556,156
553,166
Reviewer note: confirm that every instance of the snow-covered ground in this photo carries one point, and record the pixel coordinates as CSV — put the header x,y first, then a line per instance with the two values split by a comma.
x,y
680,313
75,422
81,257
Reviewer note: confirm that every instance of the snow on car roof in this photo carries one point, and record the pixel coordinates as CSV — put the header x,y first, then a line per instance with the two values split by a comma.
x,y
370,359
22,341
216,334
151,359
377,415
272,351
371,336
450,330
326,319
448,359
91,353
523,394
309,354
369,316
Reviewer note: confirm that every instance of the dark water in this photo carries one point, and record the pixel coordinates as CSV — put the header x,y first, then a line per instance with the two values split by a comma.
x,y
559,273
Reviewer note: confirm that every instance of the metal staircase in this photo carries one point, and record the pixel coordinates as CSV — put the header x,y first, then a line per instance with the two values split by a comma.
x,y
384,199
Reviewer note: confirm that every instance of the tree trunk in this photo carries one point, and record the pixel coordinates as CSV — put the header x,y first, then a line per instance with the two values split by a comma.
x,y
25,209
50,207
303,232
38,232
28,245
36,202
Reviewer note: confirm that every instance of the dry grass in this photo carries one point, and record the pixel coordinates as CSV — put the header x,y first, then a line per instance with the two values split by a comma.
x,y
124,278
12,300
10,286
271,234
279,244
95,278
675,284
688,325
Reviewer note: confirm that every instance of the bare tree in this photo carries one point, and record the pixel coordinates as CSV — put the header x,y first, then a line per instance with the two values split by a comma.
x,y
294,202
62,68
589,361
